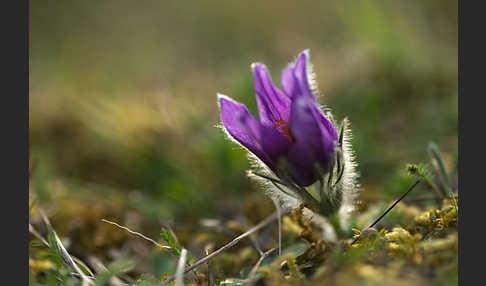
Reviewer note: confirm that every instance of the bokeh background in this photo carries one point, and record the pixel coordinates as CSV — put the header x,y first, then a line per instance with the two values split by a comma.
x,y
123,109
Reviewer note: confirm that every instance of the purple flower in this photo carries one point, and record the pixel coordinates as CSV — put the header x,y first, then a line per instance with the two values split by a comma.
x,y
292,137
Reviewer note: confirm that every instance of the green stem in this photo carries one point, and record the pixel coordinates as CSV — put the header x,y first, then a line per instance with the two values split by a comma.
x,y
432,185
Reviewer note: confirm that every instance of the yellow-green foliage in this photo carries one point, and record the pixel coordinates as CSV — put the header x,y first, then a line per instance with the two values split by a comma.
x,y
40,265
230,263
424,252
436,222
401,242
283,271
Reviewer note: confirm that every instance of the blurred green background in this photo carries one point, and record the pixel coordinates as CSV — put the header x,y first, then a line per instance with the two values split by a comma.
x,y
123,93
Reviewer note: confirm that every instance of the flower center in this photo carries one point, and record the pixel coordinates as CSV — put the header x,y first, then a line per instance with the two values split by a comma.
x,y
283,126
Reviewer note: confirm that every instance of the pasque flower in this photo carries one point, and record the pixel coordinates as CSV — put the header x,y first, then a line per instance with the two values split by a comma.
x,y
292,136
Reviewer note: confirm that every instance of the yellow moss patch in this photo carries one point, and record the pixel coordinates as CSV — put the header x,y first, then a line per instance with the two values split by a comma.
x,y
40,265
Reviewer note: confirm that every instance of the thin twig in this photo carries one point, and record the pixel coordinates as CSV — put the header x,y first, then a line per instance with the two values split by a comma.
x,y
257,227
253,271
137,234
66,257
144,237
179,277
255,245
208,267
279,228
34,232
222,229
38,235
389,209
251,238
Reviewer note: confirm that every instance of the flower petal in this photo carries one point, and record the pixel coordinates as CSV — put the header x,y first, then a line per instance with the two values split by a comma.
x,y
265,142
328,131
295,81
303,125
302,164
273,105
274,143
232,113
315,140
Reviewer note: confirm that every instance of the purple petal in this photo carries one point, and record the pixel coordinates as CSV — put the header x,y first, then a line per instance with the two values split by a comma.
x,y
302,164
295,81
289,83
273,105
273,143
328,131
265,142
232,113
303,124
315,140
